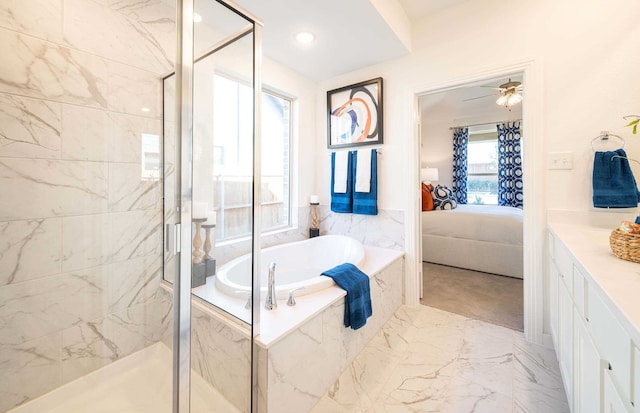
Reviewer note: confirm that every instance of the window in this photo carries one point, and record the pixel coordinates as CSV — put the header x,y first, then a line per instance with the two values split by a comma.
x,y
233,160
482,158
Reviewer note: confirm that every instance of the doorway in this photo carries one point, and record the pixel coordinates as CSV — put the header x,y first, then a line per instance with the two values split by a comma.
x,y
533,217
472,245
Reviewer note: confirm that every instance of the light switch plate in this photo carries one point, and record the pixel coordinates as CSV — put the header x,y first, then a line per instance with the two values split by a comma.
x,y
560,160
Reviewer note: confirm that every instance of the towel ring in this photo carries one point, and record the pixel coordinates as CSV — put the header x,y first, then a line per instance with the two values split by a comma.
x,y
604,137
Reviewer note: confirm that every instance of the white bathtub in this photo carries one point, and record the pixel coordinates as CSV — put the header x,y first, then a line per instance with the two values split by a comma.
x,y
298,264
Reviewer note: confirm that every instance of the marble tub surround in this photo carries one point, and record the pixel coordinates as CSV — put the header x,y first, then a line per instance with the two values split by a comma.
x,y
81,227
220,349
385,230
302,364
424,359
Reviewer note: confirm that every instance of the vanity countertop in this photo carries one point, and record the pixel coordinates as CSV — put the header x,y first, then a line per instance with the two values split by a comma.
x,y
616,279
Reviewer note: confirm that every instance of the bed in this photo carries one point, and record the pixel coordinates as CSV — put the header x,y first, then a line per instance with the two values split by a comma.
x,y
485,238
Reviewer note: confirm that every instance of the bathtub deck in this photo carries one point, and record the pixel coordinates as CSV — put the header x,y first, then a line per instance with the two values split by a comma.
x,y
274,325
139,383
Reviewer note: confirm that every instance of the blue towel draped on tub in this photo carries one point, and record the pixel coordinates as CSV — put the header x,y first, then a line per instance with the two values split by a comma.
x,y
366,203
358,300
342,202
613,183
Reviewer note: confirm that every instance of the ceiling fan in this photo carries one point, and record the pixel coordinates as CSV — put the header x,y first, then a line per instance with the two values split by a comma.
x,y
510,94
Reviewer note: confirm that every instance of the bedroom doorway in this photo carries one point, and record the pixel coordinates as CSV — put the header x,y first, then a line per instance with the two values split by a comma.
x,y
471,227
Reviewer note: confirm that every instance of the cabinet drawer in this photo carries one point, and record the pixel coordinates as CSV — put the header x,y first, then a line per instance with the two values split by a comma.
x,y
580,292
564,262
612,340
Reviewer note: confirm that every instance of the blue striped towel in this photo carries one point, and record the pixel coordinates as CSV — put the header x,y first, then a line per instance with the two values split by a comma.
x,y
366,203
357,304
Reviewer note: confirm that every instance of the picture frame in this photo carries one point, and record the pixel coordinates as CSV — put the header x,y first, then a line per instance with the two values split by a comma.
x,y
354,115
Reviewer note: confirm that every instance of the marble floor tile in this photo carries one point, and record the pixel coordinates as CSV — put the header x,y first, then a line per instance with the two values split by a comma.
x,y
429,360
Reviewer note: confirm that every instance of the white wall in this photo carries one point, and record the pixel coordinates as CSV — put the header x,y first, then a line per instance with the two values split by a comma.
x,y
585,51
588,54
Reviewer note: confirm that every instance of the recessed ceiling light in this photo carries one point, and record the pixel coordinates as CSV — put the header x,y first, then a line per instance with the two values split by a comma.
x,y
145,109
305,37
197,18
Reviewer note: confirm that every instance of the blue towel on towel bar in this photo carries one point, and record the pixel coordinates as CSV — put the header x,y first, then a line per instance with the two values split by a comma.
x,y
357,304
613,183
366,203
342,202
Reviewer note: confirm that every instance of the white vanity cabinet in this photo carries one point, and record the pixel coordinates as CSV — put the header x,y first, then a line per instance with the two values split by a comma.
x,y
599,361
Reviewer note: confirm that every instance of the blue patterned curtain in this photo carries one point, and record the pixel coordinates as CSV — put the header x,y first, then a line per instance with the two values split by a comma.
x,y
509,165
460,143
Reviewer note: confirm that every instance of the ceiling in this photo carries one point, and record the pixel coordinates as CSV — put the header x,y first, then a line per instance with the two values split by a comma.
x,y
349,34
419,9
454,104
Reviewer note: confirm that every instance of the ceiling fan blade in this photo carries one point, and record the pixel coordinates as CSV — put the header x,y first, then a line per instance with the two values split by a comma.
x,y
492,87
480,97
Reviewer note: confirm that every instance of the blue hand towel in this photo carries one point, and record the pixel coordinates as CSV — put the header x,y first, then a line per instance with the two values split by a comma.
x,y
342,202
357,306
366,203
613,183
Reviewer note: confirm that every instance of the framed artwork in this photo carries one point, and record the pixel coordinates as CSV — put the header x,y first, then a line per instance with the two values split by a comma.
x,y
354,115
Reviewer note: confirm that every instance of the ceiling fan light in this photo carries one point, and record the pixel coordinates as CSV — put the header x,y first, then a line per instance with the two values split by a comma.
x,y
502,100
514,99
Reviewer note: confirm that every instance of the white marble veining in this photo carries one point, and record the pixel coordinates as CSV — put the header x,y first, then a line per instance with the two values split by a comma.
x,y
385,230
130,89
303,364
84,133
92,240
29,128
80,226
124,135
29,369
129,190
46,188
29,249
428,360
41,19
138,383
49,71
111,31
221,350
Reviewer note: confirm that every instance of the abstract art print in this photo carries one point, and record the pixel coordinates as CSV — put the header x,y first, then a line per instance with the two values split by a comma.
x,y
354,115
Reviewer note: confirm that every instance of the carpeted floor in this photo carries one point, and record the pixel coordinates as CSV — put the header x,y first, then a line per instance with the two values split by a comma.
x,y
481,296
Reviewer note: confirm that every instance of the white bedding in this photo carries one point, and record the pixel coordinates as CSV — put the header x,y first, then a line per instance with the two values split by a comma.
x,y
483,238
490,223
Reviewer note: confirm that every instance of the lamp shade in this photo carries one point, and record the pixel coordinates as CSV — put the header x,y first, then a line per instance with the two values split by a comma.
x,y
429,174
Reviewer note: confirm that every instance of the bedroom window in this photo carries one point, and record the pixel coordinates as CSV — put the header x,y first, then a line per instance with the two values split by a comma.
x,y
233,161
482,168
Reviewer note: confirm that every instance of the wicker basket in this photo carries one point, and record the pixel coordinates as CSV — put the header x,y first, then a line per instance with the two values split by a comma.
x,y
625,246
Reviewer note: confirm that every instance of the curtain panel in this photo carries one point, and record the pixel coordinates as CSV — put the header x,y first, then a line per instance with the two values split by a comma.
x,y
510,192
460,143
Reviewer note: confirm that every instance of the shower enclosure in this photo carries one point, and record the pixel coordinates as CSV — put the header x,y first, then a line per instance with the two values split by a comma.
x,y
114,118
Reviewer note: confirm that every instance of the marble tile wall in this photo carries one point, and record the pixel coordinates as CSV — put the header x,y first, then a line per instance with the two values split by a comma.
x,y
80,228
303,365
220,351
385,230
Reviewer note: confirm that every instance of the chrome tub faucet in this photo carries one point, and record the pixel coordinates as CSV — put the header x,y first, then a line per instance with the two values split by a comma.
x,y
272,302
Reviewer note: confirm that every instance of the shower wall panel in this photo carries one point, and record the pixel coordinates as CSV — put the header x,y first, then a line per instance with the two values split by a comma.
x,y
80,210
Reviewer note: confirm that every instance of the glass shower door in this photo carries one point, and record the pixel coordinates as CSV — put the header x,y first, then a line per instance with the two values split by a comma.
x,y
209,209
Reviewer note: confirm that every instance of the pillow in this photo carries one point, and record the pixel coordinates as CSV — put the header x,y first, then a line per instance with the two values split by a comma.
x,y
427,200
443,198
